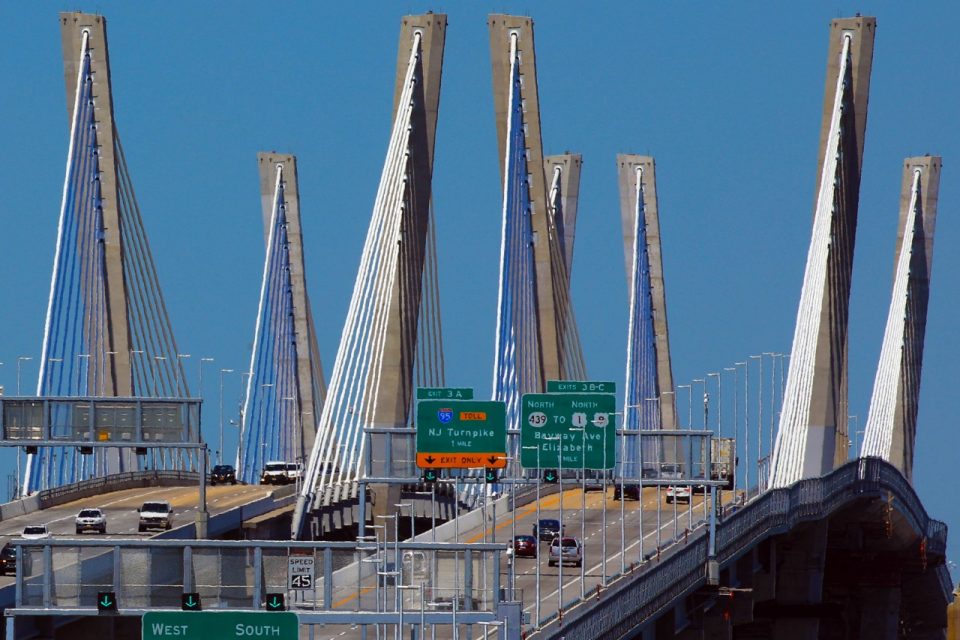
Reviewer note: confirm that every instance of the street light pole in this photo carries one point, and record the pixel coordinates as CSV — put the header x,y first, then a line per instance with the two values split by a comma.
x,y
156,361
176,372
719,402
200,383
746,425
537,541
83,382
773,408
21,359
704,382
733,462
559,440
220,450
759,418
689,389
583,508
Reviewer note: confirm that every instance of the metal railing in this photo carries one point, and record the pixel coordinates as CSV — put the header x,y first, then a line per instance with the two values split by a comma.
x,y
632,600
67,575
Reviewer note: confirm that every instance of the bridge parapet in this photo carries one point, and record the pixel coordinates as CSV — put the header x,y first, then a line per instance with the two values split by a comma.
x,y
633,600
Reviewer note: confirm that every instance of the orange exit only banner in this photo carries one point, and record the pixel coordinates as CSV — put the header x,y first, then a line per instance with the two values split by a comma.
x,y
461,460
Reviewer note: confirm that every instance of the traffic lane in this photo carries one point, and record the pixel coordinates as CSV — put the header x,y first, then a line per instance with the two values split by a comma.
x,y
594,562
522,521
120,508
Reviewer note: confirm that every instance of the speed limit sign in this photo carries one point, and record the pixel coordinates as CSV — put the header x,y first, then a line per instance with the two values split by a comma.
x,y
300,573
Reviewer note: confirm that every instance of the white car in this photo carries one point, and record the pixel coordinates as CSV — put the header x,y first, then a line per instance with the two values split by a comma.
x,y
678,494
91,520
35,532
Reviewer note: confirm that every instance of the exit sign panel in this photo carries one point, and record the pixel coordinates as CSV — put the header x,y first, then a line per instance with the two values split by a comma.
x,y
461,434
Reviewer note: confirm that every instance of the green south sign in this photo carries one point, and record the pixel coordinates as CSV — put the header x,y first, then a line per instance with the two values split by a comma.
x,y
219,625
579,427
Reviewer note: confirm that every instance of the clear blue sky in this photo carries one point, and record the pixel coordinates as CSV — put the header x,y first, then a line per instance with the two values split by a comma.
x,y
726,96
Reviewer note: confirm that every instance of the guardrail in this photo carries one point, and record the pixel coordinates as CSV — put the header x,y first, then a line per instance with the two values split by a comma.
x,y
632,600
96,486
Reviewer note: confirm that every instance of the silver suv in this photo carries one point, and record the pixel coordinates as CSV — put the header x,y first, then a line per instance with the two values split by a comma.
x,y
91,520
566,550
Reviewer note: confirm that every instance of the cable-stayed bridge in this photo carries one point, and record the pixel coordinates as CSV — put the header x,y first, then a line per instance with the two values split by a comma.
x,y
808,545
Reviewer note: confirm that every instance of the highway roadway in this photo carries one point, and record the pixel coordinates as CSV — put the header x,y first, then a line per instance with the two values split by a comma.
x,y
121,507
557,585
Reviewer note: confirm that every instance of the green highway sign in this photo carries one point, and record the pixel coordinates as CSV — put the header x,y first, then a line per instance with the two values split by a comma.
x,y
580,386
552,422
461,434
222,625
444,393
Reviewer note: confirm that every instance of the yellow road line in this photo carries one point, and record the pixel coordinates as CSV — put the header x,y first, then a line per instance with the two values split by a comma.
x,y
340,603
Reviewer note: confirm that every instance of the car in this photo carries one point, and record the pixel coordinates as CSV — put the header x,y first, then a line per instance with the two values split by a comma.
x,y
155,514
275,472
631,491
91,520
524,547
546,529
566,550
8,560
678,494
35,532
222,474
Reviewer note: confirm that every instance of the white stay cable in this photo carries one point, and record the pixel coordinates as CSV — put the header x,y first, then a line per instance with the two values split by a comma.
x,y
346,408
879,433
788,454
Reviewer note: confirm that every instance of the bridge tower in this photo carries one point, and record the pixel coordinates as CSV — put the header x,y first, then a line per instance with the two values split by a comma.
x,y
649,373
286,387
812,435
391,340
892,422
537,337
107,332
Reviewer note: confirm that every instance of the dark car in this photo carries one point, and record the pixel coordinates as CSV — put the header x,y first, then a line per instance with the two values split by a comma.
x,y
222,474
547,529
630,491
525,547
8,560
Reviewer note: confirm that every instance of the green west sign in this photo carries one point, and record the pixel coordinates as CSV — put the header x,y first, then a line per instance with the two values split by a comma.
x,y
462,434
219,625
552,423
